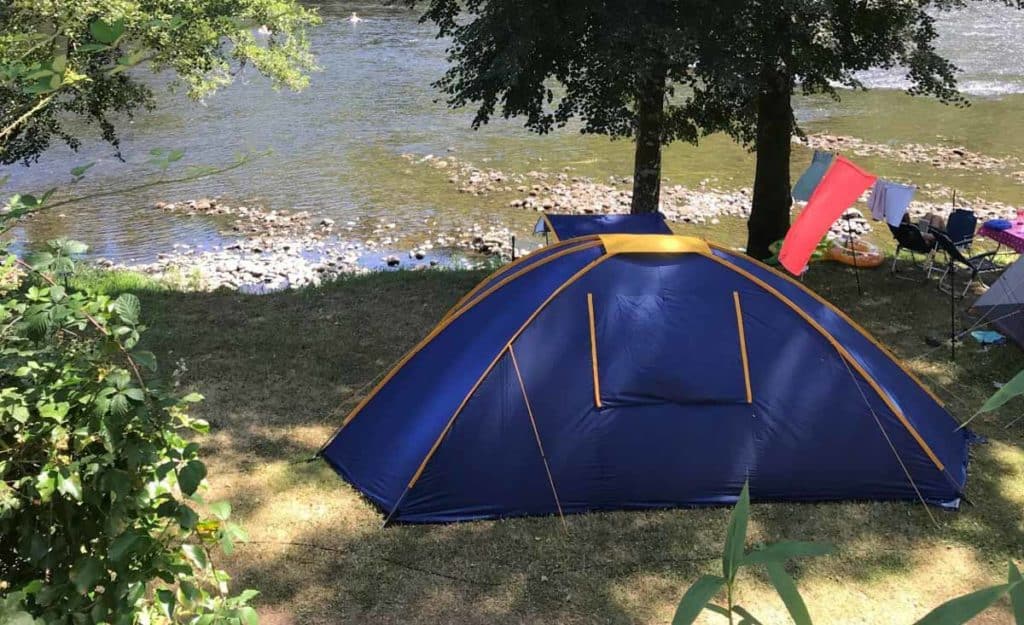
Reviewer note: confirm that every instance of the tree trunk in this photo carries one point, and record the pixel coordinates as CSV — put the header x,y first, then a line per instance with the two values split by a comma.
x,y
647,160
769,214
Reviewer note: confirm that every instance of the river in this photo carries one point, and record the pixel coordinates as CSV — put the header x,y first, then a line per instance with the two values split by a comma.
x,y
336,147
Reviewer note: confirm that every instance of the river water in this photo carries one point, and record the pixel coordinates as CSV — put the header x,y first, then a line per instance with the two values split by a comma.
x,y
336,147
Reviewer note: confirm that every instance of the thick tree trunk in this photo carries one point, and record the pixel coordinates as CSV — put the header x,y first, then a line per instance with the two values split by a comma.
x,y
769,214
647,160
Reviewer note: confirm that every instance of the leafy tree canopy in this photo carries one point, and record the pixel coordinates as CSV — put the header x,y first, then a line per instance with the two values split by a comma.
x,y
663,70
62,63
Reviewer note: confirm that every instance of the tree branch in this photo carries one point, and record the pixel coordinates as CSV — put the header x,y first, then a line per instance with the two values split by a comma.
x,y
9,130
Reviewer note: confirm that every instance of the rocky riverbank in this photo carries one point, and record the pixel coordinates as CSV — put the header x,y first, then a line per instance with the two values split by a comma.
x,y
940,157
267,250
274,250
704,204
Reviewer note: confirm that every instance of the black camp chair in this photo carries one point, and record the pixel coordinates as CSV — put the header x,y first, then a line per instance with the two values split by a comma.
x,y
960,228
977,265
908,237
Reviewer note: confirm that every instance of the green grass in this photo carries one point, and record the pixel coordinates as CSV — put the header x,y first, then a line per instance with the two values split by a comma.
x,y
115,281
279,371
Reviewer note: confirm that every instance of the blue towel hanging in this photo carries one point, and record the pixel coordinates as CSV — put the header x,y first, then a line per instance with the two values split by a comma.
x,y
808,182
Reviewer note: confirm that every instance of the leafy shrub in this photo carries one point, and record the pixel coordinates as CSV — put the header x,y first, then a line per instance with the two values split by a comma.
x,y
101,520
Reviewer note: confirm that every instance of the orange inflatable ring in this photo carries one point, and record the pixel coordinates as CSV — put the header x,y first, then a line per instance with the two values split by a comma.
x,y
867,255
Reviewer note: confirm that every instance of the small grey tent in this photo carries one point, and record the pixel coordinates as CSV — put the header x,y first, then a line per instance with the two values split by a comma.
x,y
1002,306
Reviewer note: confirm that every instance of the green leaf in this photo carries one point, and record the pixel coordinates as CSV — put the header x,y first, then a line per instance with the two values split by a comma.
x,y
221,510
1016,594
128,307
786,587
247,595
68,483
248,616
736,535
40,261
165,599
145,359
106,32
131,59
135,393
70,247
86,573
55,412
196,554
192,398
18,618
122,545
190,476
43,85
46,484
79,171
698,596
186,517
962,609
1011,389
785,550
119,404
746,617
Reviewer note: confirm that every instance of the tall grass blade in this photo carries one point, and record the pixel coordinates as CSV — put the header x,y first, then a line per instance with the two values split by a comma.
x,y
1011,389
786,587
693,602
747,617
1016,594
785,550
962,609
736,536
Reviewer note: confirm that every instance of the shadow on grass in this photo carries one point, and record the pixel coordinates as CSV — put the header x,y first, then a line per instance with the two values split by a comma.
x,y
280,371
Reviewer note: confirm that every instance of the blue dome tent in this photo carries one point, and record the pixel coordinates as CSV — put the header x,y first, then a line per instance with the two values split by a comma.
x,y
643,371
562,227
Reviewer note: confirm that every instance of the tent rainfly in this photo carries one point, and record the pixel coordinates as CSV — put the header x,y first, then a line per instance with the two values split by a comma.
x,y
643,371
563,227
1003,304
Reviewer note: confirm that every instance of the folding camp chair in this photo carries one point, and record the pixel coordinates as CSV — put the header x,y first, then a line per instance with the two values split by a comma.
x,y
908,237
977,265
960,228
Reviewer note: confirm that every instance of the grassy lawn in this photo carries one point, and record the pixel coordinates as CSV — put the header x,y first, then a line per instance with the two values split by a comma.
x,y
279,372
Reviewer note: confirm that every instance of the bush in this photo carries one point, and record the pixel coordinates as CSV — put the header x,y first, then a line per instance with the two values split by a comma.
x,y
101,520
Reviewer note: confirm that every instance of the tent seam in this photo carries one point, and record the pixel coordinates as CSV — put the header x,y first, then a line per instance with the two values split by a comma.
x,y
514,267
843,354
443,325
536,434
743,346
465,400
853,324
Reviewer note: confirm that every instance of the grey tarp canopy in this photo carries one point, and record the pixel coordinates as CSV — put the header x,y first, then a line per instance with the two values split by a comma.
x,y
1002,306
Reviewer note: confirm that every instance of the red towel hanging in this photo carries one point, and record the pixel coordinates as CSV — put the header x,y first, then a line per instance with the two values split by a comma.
x,y
839,189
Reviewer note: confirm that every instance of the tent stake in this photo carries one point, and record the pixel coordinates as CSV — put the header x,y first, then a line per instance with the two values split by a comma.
x,y
387,519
